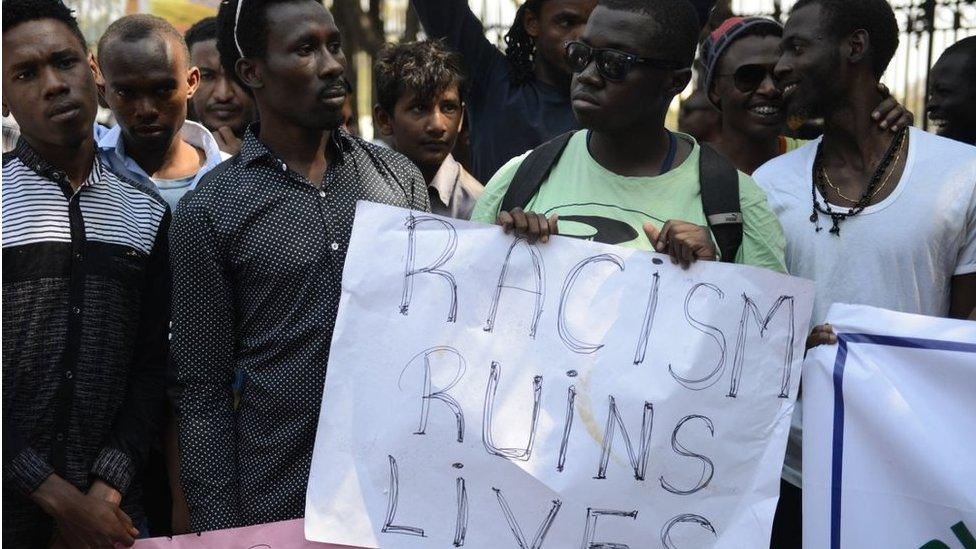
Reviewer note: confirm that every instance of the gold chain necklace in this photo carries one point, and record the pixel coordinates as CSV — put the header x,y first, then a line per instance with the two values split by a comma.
x,y
894,166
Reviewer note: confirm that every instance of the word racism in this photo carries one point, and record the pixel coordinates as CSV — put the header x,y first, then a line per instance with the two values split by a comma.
x,y
560,395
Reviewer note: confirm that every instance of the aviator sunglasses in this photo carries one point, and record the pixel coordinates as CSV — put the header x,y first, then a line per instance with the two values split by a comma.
x,y
748,78
611,64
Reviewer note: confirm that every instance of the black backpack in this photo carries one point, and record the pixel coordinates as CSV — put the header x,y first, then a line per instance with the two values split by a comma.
x,y
719,182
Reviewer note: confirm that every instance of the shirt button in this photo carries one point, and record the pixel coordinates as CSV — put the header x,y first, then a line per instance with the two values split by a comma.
x,y
69,374
335,246
76,310
322,194
79,256
59,437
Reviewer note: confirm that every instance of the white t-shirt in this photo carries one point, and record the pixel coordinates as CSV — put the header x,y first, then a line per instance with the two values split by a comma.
x,y
899,254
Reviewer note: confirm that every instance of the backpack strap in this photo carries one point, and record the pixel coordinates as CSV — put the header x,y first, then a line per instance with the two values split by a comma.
x,y
720,201
533,172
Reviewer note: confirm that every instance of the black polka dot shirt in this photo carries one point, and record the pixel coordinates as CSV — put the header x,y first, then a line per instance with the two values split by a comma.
x,y
257,254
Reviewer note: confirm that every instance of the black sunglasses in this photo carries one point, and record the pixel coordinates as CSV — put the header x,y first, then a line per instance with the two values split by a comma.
x,y
611,64
748,78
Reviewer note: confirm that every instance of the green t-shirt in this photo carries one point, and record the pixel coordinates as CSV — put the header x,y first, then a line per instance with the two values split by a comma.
x,y
594,203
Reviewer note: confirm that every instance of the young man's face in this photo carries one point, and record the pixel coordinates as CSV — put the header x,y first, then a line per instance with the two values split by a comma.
x,y
48,83
423,130
952,99
301,77
558,23
644,93
147,84
745,90
219,101
809,70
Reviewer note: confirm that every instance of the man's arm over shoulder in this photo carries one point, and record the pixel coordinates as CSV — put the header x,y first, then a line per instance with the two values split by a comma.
x,y
203,351
763,243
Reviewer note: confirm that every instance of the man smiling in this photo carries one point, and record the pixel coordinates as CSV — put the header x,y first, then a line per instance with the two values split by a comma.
x,y
258,253
871,216
952,92
739,57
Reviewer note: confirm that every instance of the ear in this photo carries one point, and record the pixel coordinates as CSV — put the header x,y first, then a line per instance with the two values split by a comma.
x,y
384,122
192,81
249,73
679,80
532,24
858,44
99,80
6,111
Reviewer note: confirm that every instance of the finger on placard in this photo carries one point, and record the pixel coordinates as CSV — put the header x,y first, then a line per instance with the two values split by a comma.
x,y
532,227
652,235
543,228
520,222
672,250
506,221
665,236
687,254
554,224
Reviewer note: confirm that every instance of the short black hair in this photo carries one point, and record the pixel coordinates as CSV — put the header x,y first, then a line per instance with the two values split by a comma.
x,y
139,26
840,18
426,68
201,31
251,32
677,28
16,12
966,48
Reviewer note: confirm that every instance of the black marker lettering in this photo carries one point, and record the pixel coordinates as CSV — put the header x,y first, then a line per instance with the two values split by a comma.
x,y
638,461
538,286
434,268
568,338
708,468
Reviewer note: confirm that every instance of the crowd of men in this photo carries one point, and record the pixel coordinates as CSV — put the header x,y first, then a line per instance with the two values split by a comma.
x,y
170,285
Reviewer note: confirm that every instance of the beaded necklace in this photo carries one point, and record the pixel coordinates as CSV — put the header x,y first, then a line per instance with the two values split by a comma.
x,y
820,180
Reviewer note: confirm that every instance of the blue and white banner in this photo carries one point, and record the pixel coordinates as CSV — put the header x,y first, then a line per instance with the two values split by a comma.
x,y
889,441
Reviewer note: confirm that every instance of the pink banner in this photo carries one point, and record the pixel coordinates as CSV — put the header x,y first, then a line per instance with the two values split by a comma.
x,y
289,534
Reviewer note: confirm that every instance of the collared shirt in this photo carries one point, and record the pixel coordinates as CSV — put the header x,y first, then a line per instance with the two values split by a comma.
x,y
112,150
85,316
11,133
454,191
257,258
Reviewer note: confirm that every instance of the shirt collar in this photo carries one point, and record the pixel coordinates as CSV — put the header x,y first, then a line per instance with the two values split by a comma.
x,y
254,149
445,180
109,140
33,160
